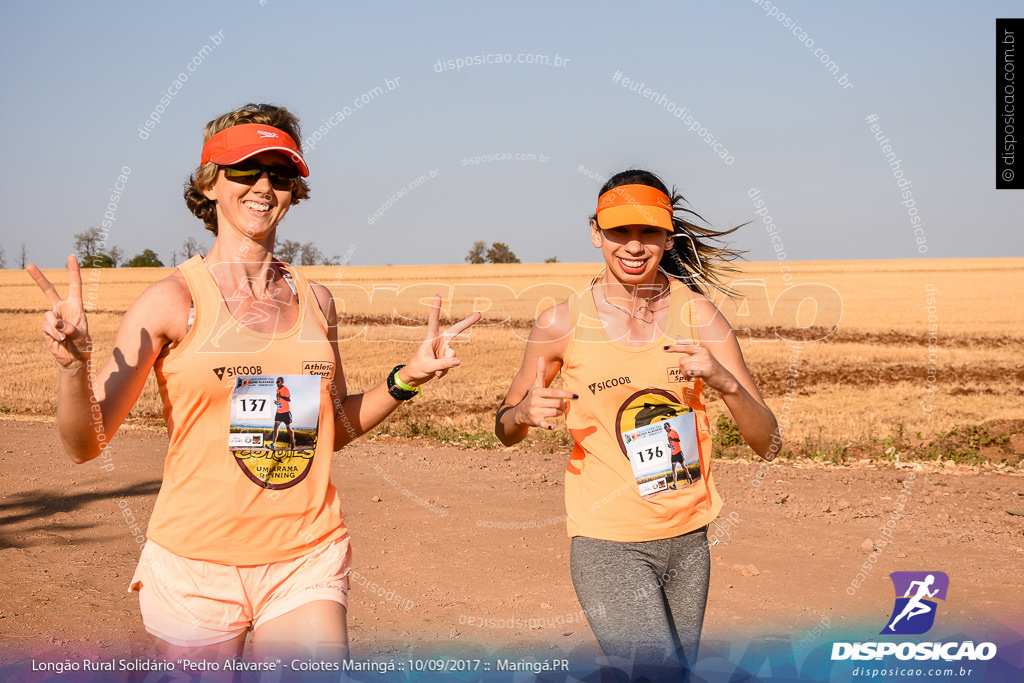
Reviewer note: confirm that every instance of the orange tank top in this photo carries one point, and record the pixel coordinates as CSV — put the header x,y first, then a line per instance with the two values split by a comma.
x,y
630,399
228,494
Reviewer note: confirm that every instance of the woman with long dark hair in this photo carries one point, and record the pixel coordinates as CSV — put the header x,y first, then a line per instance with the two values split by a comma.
x,y
636,350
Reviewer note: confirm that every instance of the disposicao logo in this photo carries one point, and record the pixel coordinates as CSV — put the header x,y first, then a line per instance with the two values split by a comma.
x,y
913,613
916,595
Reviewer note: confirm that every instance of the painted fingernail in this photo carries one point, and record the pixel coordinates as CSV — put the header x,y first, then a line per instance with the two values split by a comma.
x,y
59,325
575,395
551,426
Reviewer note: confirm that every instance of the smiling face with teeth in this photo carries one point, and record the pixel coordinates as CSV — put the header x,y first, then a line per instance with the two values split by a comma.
x,y
251,210
631,252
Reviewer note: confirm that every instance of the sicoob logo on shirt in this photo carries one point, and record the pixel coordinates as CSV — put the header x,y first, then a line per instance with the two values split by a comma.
x,y
237,370
607,384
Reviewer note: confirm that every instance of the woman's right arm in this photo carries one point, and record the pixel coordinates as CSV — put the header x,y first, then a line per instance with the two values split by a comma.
x,y
91,404
529,402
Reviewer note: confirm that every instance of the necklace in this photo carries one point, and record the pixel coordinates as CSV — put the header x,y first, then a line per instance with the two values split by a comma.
x,y
642,313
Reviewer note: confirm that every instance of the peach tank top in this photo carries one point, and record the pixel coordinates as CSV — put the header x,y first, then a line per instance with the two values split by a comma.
x,y
627,394
229,495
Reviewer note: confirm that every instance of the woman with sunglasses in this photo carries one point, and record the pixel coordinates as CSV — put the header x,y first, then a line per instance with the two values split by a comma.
x,y
244,536
636,350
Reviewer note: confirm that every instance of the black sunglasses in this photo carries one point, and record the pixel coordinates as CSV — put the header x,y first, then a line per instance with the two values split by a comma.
x,y
282,178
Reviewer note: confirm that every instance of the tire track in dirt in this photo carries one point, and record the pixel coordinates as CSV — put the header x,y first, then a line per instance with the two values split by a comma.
x,y
959,381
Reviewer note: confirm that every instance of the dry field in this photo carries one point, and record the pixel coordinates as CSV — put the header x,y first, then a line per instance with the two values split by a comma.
x,y
459,532
851,338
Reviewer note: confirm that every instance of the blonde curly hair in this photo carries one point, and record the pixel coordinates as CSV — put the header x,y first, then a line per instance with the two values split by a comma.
x,y
204,176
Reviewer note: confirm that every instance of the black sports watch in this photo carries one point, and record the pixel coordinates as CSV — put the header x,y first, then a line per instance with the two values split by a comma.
x,y
397,392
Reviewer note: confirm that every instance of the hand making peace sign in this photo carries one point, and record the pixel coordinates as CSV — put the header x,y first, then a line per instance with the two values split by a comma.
x,y
65,327
435,356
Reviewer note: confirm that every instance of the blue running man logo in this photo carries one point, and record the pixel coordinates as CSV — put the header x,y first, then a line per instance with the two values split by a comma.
x,y
916,595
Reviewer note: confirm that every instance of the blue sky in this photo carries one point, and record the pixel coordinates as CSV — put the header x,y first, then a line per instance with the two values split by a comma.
x,y
78,80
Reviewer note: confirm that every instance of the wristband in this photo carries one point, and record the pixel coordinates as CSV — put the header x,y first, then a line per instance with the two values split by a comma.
x,y
399,390
403,385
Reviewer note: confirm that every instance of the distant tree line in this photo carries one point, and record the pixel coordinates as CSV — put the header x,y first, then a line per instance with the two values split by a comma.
x,y
303,254
90,255
498,252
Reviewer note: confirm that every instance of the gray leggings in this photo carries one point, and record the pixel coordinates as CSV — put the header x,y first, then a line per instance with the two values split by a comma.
x,y
645,601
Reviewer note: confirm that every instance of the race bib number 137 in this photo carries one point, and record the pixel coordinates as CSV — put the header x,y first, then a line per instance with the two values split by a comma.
x,y
253,408
274,427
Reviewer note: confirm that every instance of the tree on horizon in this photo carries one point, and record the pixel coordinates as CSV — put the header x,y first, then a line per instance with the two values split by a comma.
x,y
147,259
500,253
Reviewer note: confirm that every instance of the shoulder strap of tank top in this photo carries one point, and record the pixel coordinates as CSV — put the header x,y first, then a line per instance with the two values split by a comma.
x,y
297,280
573,304
585,300
188,270
684,301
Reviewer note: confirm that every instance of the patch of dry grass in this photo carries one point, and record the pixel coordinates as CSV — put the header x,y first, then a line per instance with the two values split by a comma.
x,y
865,381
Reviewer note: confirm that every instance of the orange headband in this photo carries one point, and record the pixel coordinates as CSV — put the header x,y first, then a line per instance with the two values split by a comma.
x,y
240,142
634,205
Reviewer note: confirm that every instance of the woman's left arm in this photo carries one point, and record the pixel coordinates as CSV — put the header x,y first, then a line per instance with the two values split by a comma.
x,y
716,358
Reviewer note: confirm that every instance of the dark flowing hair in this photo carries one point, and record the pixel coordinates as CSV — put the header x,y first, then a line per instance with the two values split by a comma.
x,y
694,258
204,176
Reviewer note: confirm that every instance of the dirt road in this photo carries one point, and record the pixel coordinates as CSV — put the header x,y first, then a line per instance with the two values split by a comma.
x,y
461,550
